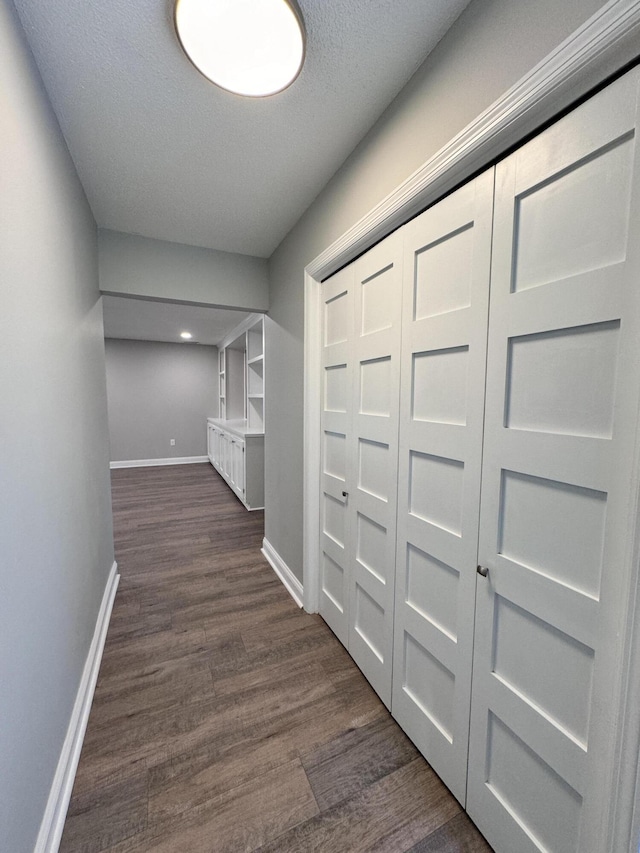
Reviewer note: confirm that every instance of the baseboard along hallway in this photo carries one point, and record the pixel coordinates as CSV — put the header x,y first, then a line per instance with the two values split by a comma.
x,y
225,718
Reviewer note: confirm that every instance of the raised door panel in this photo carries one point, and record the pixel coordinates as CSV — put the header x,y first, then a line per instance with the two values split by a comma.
x,y
224,455
254,471
233,460
372,460
237,447
337,406
561,411
228,457
446,293
217,448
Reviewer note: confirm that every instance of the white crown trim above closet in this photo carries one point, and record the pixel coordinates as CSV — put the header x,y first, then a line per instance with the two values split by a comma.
x,y
604,44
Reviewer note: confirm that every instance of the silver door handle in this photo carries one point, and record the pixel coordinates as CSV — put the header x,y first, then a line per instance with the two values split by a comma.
x,y
483,570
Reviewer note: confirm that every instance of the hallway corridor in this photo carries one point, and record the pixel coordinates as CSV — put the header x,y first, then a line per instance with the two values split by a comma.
x,y
225,718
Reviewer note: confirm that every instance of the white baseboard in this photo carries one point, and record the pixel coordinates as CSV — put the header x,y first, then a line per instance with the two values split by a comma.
x,y
291,582
56,811
150,463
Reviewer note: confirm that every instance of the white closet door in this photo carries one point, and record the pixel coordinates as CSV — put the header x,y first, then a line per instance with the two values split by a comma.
x,y
337,409
446,294
561,412
372,451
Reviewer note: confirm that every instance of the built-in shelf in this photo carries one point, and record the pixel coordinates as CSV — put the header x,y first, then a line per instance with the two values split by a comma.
x,y
237,453
236,438
255,378
241,363
222,384
255,341
255,412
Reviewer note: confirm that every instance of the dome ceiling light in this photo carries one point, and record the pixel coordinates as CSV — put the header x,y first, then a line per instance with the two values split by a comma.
x,y
248,47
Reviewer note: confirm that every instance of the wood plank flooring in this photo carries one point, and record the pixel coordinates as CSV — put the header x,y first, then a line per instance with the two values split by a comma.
x,y
225,718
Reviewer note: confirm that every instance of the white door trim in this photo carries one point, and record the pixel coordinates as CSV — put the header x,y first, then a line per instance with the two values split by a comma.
x,y
603,45
624,815
312,446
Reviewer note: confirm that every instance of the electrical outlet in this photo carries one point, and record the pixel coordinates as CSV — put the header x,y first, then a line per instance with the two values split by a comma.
x,y
172,442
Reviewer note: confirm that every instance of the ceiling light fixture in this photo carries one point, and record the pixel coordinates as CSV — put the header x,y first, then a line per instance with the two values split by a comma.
x,y
248,47
186,335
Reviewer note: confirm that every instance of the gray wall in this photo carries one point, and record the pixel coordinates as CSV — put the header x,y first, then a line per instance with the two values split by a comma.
x,y
489,48
160,391
157,269
55,508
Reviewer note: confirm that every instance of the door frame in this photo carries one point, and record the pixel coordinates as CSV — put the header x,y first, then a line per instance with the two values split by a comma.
x,y
604,45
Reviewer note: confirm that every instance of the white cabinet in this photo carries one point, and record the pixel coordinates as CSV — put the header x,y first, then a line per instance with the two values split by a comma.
x,y
237,454
479,426
236,466
241,374
236,439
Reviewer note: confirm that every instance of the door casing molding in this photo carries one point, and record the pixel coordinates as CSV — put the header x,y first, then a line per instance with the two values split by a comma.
x,y
604,45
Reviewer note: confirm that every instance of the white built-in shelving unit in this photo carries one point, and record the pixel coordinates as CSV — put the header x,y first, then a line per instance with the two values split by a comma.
x,y
255,376
221,381
235,440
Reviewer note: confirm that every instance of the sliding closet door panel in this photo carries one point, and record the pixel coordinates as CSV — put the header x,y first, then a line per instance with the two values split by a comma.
x,y
373,459
561,412
337,390
445,307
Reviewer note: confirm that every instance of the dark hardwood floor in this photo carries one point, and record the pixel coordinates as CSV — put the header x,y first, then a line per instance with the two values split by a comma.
x,y
225,718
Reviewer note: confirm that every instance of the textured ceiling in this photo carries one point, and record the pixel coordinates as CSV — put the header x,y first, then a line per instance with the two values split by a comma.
x,y
139,319
163,153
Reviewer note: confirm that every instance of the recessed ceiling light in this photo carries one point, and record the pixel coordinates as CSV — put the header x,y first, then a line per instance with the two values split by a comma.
x,y
186,335
249,47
